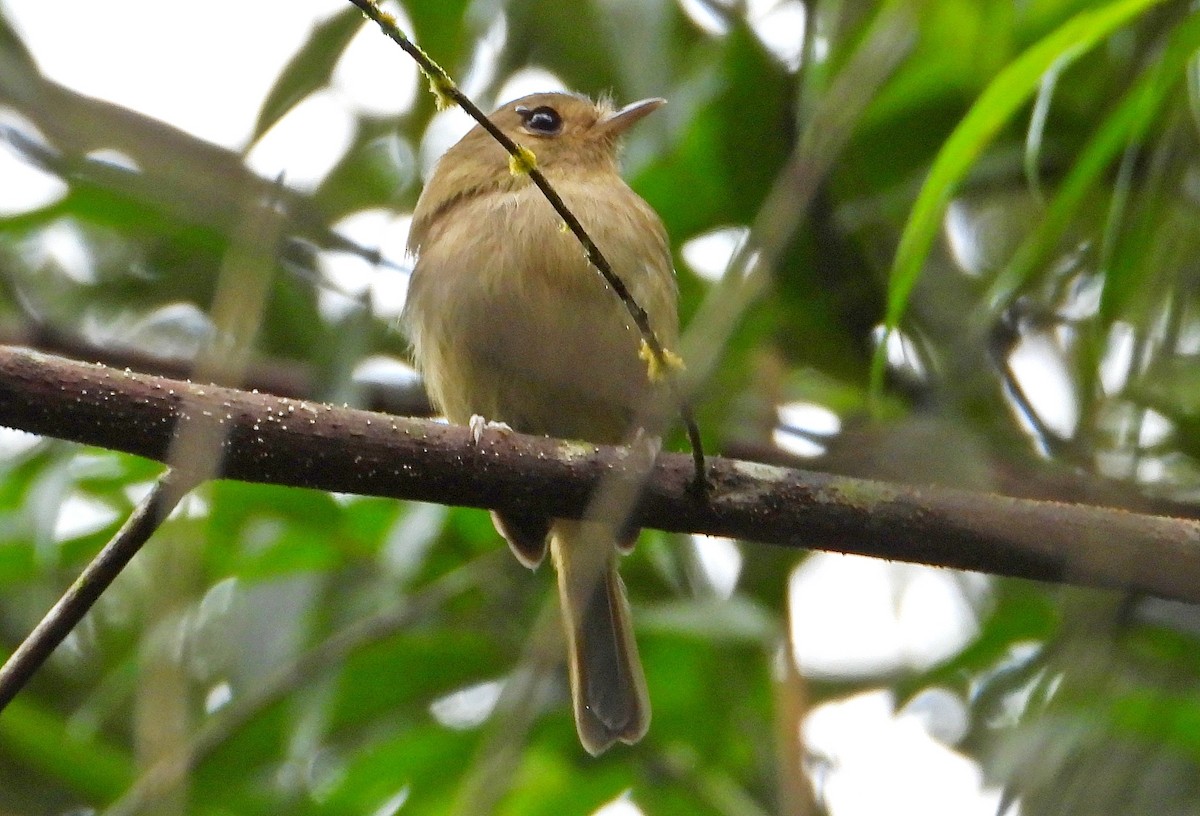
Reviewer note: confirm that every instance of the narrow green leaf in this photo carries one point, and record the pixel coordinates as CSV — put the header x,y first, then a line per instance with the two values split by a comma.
x,y
40,740
309,69
995,107
1126,124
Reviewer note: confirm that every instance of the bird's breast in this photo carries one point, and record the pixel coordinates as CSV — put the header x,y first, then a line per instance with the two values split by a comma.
x,y
511,321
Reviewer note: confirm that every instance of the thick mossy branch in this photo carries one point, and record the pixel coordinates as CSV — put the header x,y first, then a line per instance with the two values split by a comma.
x,y
306,444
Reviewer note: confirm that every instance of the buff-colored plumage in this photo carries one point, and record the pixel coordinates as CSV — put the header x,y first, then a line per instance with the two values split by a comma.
x,y
510,322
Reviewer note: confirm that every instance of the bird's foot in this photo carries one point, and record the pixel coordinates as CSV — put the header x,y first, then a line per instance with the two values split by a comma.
x,y
643,450
479,425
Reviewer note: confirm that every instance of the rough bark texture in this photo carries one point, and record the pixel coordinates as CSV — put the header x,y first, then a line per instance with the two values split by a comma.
x,y
305,444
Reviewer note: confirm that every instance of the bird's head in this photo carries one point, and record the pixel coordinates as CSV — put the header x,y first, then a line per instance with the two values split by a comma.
x,y
564,130
570,135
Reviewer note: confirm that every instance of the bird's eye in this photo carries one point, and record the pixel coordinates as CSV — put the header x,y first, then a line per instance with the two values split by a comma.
x,y
541,120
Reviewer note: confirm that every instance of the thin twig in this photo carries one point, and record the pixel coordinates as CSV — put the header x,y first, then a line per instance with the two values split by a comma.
x,y
888,39
197,437
445,88
89,586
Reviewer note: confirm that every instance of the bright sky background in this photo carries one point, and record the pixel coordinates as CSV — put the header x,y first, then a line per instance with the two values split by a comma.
x,y
206,68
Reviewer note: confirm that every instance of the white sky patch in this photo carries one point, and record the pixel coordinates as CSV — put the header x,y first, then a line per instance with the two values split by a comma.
x,y
95,464
114,158
1082,300
963,239
389,293
1188,341
901,352
352,275
1117,361
468,707
1038,366
528,80
205,69
1155,428
810,417
708,254
705,15
134,492
779,26
410,539
721,561
942,713
485,60
444,129
796,444
62,245
159,59
799,422
889,617
306,143
15,443
879,761
392,804
80,515
1151,470
173,330
191,506
820,49
623,805
26,187
382,370
374,76
218,697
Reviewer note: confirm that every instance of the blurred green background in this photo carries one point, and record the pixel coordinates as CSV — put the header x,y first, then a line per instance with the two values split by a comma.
x,y
1011,185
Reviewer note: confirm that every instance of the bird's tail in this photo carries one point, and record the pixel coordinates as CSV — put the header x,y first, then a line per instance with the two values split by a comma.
x,y
608,689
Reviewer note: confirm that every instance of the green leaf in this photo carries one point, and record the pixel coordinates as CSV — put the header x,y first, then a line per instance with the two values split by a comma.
x,y
39,739
309,69
1127,124
994,108
438,28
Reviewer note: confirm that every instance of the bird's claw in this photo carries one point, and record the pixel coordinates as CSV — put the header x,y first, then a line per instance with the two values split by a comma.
x,y
644,449
479,425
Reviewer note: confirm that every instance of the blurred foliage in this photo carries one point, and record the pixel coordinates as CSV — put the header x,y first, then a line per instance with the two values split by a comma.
x,y
1018,197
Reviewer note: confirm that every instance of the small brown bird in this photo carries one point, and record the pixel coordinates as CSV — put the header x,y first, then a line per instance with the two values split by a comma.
x,y
510,322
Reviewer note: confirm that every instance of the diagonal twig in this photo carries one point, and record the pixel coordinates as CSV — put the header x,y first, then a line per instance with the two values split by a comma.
x,y
196,441
89,586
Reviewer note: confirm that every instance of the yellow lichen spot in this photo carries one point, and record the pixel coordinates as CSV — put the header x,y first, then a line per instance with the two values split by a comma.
x,y
656,368
521,163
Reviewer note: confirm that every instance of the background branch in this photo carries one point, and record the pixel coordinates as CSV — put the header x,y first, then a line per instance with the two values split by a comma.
x,y
285,679
89,586
302,444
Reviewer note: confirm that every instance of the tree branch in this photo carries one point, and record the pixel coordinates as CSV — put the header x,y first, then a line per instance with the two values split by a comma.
x,y
303,444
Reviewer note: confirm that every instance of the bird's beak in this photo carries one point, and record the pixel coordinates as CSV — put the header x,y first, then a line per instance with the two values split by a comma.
x,y
617,122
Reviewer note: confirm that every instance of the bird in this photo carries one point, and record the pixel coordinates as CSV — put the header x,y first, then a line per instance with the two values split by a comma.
x,y
509,321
